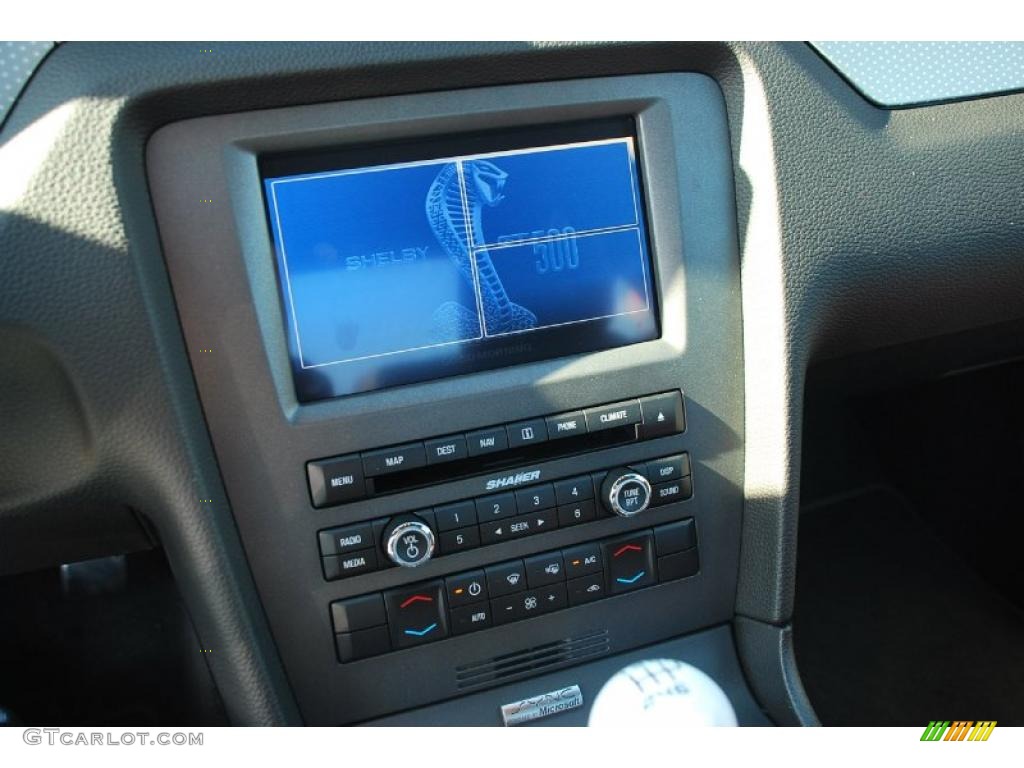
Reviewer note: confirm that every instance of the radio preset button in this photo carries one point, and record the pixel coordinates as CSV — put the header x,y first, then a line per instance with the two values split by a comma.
x,y
484,441
574,514
566,425
573,489
337,480
397,458
524,433
457,515
444,449
458,540
613,415
535,498
496,507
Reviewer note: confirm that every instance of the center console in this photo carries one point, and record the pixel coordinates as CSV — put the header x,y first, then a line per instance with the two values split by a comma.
x,y
472,367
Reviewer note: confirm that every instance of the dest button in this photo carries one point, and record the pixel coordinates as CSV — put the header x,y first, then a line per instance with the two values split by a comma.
x,y
416,614
442,449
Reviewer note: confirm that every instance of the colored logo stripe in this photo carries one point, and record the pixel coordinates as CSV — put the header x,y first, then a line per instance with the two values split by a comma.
x,y
958,730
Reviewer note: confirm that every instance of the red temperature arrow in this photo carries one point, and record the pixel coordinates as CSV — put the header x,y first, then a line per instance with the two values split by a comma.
x,y
627,548
415,598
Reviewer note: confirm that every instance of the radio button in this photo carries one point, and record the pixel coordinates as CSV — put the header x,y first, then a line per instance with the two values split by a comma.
x,y
459,540
613,415
334,481
452,516
663,415
566,425
397,458
484,441
444,449
535,498
339,541
524,433
496,507
573,489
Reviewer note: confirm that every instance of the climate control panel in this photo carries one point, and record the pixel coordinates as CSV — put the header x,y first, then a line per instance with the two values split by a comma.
x,y
425,612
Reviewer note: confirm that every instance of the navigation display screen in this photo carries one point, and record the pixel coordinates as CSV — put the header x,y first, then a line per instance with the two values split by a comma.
x,y
417,269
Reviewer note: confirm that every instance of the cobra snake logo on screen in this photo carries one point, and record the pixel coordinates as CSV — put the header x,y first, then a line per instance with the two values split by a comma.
x,y
447,213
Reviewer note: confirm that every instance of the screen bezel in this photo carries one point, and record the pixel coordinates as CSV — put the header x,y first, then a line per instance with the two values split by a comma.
x,y
488,354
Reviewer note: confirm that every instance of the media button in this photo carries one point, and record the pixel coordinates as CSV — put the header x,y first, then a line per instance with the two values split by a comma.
x,y
397,458
613,415
566,425
524,433
444,449
351,564
334,481
484,441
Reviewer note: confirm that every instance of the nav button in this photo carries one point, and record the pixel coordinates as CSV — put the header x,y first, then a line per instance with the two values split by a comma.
x,y
485,441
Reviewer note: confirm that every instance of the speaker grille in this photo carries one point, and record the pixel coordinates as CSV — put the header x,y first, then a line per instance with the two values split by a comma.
x,y
529,661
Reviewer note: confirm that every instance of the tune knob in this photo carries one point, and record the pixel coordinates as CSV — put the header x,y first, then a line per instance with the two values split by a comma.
x,y
409,541
625,492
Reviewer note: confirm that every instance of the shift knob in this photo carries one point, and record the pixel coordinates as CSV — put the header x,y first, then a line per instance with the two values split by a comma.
x,y
661,693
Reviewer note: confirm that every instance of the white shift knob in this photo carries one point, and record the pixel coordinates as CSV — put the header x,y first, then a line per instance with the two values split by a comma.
x,y
661,693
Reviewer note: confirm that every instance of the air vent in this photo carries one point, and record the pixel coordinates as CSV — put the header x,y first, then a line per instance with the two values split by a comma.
x,y
539,658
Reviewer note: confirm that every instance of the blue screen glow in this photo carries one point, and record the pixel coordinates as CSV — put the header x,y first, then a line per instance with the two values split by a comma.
x,y
412,271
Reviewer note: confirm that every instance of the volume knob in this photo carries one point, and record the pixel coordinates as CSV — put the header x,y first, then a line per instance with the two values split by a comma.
x,y
408,541
625,492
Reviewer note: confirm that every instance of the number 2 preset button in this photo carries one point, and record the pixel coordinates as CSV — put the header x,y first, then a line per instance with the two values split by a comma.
x,y
397,458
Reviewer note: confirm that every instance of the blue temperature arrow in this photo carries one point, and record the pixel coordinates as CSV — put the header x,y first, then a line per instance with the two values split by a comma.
x,y
422,632
632,580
